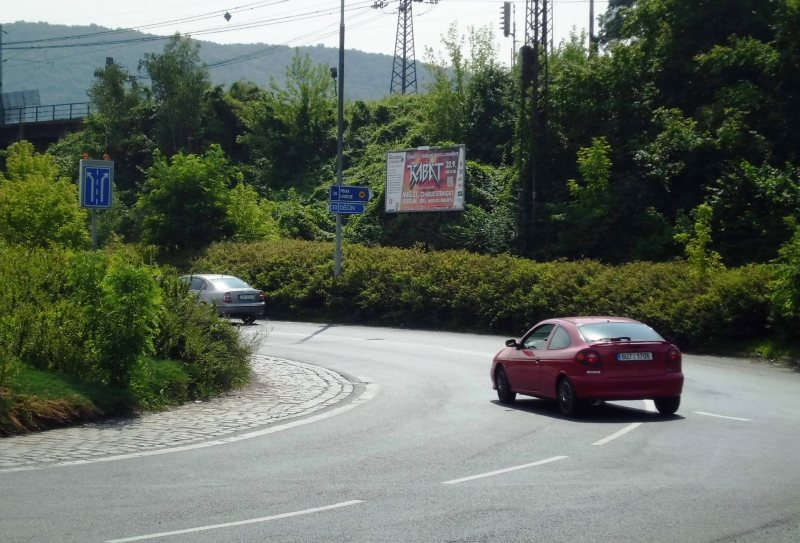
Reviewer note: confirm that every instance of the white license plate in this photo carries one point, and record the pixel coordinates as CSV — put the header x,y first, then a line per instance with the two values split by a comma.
x,y
626,357
247,296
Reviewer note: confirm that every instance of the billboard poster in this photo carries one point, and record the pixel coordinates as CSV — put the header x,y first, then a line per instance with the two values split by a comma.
x,y
425,179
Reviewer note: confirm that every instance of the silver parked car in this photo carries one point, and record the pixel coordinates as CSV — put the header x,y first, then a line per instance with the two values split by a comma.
x,y
231,296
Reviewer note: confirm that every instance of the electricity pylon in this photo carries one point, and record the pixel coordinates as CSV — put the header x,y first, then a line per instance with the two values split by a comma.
x,y
404,68
534,150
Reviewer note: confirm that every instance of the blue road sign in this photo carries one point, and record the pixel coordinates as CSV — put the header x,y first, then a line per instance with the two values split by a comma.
x,y
347,193
348,208
96,183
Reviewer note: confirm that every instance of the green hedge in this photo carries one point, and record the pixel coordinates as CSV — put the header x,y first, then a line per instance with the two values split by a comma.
x,y
457,290
106,317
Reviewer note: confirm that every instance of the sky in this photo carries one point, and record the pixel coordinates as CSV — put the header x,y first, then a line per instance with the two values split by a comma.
x,y
300,22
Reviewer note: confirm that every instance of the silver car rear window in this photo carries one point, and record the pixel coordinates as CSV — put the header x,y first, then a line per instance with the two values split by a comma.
x,y
631,331
230,283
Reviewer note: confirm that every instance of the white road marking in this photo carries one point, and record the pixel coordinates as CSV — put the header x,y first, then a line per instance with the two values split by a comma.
x,y
722,416
506,470
621,433
650,405
371,390
238,523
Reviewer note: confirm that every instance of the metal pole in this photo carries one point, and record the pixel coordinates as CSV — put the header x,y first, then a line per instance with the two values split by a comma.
x,y
94,230
591,27
337,263
2,112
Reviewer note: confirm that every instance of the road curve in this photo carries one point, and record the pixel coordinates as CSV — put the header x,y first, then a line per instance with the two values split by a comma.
x,y
431,456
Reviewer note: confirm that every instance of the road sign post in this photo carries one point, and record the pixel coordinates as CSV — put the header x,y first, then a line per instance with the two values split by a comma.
x,y
346,200
95,188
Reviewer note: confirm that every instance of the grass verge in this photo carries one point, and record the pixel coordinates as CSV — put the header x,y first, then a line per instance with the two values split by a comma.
x,y
38,400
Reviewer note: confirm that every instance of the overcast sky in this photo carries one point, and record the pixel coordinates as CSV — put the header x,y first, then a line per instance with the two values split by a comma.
x,y
296,22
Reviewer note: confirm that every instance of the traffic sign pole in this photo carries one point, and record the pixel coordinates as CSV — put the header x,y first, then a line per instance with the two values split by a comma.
x,y
94,229
95,188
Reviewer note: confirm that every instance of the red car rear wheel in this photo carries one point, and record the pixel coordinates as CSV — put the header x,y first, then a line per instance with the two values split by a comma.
x,y
568,401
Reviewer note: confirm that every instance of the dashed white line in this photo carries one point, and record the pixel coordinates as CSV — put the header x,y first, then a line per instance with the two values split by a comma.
x,y
722,416
621,433
506,470
237,523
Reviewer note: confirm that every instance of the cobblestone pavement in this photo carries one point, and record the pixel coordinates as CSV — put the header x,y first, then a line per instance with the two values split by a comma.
x,y
281,390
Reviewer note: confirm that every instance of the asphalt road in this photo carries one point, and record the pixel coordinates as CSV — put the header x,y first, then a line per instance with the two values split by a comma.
x,y
425,453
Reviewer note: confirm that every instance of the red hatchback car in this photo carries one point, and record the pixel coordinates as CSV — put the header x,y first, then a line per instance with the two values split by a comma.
x,y
578,360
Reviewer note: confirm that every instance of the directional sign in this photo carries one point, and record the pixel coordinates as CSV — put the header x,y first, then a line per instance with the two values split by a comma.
x,y
347,193
96,183
348,208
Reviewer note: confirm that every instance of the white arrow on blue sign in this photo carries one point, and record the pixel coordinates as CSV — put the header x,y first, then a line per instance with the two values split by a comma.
x,y
348,208
96,183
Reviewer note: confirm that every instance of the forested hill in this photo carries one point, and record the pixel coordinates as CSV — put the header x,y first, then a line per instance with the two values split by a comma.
x,y
63,74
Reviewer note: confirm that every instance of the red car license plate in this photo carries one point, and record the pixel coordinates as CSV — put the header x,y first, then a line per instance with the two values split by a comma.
x,y
632,357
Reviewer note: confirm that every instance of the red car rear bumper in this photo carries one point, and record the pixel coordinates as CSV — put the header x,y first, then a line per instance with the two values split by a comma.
x,y
628,388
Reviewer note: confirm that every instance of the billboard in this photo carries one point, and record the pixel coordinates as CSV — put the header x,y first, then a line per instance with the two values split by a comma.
x,y
425,179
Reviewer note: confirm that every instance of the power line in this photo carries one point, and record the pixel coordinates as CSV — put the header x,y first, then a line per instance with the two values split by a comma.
x,y
296,17
193,18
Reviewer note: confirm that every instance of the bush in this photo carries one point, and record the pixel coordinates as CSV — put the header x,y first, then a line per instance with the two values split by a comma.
x,y
157,384
95,315
461,291
786,286
212,354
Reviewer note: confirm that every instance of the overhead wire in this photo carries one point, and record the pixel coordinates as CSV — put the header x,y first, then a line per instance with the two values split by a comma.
x,y
359,8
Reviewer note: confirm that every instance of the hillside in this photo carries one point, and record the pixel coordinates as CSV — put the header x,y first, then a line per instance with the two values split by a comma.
x,y
62,74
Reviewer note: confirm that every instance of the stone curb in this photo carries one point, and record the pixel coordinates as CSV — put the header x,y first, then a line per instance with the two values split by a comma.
x,y
281,390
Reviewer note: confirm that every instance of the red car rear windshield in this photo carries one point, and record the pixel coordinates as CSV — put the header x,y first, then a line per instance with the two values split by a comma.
x,y
619,331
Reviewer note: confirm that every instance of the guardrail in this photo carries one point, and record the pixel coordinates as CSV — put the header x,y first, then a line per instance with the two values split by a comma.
x,y
40,114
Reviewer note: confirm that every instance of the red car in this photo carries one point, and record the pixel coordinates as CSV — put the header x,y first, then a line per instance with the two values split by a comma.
x,y
579,360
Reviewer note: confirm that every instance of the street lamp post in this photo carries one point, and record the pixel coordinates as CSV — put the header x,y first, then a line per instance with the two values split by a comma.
x,y
337,264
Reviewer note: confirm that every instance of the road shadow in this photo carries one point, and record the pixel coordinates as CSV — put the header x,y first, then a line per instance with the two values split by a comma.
x,y
604,413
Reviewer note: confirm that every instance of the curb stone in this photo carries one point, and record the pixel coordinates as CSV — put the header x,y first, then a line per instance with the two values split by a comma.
x,y
281,389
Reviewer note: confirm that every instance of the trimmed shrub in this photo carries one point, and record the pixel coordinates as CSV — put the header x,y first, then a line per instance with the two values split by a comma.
x,y
461,291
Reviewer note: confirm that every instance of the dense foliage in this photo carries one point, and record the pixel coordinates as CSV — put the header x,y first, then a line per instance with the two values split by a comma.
x,y
667,189
458,290
108,320
640,134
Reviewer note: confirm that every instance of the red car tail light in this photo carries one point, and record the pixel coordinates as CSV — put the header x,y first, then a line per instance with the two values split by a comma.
x,y
674,358
588,357
261,296
226,298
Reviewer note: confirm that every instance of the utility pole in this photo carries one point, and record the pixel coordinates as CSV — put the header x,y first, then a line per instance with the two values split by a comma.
x,y
2,108
534,150
591,28
337,263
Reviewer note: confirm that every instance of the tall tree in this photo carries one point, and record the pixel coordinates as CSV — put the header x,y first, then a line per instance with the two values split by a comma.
x,y
120,126
186,200
290,131
179,83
